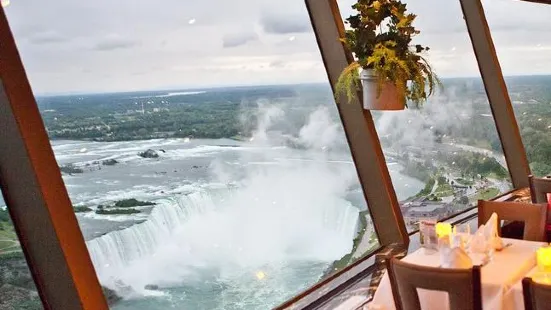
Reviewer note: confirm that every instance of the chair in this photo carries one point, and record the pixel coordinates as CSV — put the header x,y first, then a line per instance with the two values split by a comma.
x,y
536,296
539,188
462,285
398,250
534,216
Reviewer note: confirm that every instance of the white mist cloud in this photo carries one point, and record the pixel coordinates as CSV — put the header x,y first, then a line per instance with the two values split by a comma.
x,y
444,111
287,206
321,132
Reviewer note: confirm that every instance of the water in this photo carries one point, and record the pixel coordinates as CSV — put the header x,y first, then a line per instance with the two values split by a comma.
x,y
226,212
203,238
236,226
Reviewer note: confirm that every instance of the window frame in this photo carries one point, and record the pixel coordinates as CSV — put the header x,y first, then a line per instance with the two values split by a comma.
x,y
325,25
52,240
497,93
36,196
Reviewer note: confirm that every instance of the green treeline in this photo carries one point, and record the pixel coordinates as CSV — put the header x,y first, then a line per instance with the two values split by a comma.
x,y
233,112
219,113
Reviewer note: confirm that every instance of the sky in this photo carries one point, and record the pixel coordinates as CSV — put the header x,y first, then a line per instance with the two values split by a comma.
x,y
126,45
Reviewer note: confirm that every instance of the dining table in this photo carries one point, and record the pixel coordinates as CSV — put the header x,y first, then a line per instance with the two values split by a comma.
x,y
515,298
500,278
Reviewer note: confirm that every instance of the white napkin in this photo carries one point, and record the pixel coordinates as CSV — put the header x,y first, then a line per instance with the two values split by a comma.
x,y
454,258
487,237
491,234
478,242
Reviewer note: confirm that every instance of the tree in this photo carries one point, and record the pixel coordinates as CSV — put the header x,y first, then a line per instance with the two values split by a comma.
x,y
540,169
464,200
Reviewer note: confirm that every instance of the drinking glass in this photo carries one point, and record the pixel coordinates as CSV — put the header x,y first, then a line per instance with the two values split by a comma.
x,y
464,231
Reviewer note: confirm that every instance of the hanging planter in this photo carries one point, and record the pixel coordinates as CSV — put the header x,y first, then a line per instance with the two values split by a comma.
x,y
388,99
393,72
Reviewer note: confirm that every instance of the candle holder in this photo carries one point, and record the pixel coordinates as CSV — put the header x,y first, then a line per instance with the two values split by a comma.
x,y
544,259
443,230
543,255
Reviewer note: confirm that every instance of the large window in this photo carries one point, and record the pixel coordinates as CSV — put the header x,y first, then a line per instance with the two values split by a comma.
x,y
522,38
16,283
200,146
446,155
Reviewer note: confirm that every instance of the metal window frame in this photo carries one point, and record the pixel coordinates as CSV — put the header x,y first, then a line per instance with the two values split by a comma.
x,y
359,127
41,209
36,196
51,238
328,28
538,1
496,91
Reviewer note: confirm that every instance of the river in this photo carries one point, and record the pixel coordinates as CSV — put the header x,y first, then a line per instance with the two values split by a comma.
x,y
237,225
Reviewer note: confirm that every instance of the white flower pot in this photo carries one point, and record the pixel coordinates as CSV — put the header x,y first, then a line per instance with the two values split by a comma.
x,y
387,100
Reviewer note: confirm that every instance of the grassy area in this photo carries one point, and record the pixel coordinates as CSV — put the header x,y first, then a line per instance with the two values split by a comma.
x,y
117,211
125,206
11,256
486,194
443,190
465,182
7,232
496,176
347,259
8,238
6,244
129,203
426,190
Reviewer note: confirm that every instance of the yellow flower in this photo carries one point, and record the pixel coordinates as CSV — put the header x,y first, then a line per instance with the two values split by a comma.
x,y
376,5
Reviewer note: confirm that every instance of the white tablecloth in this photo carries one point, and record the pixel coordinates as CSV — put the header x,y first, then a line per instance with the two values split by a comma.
x,y
507,268
515,293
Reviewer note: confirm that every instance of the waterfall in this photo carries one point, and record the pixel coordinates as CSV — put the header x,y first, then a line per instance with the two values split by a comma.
x,y
223,229
118,248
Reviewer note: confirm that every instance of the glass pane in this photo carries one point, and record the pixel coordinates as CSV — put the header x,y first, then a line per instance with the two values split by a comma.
x,y
206,174
448,152
523,52
17,289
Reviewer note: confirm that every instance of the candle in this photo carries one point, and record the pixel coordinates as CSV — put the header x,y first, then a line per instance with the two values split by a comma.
x,y
544,259
443,229
542,279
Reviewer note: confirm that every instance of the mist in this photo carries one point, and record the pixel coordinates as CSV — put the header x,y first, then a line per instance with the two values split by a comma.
x,y
283,203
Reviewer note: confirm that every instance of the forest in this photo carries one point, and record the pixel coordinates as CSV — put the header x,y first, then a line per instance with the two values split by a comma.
x,y
233,113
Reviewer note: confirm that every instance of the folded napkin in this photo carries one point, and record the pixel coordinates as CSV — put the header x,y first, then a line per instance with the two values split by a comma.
x,y
454,258
490,228
491,233
478,242
487,237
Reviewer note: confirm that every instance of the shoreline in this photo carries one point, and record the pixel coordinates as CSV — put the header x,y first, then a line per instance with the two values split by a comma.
x,y
234,138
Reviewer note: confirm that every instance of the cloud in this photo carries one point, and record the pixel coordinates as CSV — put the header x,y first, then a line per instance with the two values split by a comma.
x,y
47,37
114,42
54,45
277,64
277,23
238,39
